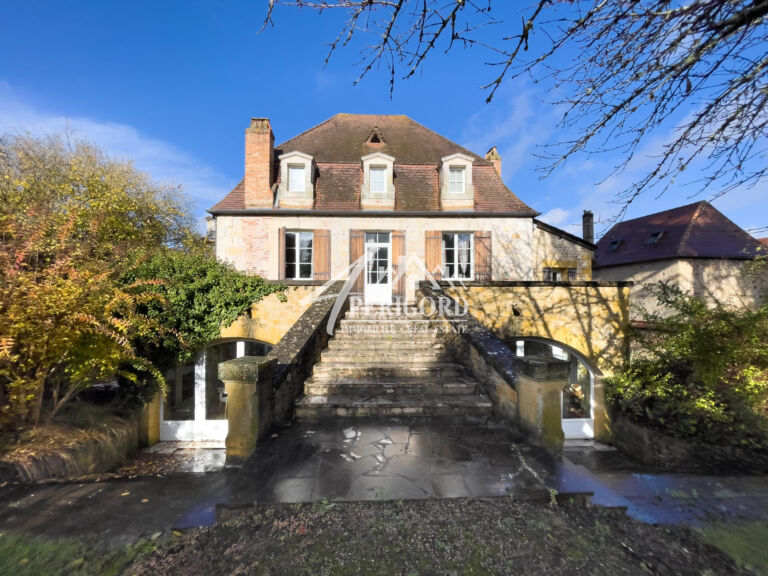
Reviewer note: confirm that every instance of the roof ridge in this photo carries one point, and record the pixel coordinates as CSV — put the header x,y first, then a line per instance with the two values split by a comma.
x,y
688,227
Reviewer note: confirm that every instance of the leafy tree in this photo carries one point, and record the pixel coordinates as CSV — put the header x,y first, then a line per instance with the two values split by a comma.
x,y
622,68
192,295
701,372
71,221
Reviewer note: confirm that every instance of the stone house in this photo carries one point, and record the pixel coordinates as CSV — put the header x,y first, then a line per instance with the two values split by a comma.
x,y
361,185
695,247
380,204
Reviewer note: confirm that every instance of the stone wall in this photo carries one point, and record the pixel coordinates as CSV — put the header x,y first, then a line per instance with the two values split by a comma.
x,y
273,316
727,282
556,251
250,242
591,318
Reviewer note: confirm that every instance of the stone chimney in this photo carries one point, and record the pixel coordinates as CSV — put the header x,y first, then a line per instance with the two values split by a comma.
x,y
588,226
493,156
259,164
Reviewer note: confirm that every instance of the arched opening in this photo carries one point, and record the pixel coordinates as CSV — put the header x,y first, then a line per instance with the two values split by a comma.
x,y
578,397
195,405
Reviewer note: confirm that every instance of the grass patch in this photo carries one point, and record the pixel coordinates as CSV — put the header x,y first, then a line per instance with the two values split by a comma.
x,y
23,555
744,542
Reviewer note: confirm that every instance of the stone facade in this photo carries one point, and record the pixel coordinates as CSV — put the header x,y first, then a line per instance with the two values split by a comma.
x,y
590,318
520,249
727,282
552,250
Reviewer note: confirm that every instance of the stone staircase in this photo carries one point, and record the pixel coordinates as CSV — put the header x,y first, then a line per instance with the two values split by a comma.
x,y
385,361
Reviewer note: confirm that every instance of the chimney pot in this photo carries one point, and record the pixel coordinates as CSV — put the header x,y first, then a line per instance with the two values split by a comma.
x,y
493,156
588,226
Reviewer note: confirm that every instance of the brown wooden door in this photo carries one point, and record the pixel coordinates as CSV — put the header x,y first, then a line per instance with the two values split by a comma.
x,y
322,255
433,253
483,257
398,265
356,240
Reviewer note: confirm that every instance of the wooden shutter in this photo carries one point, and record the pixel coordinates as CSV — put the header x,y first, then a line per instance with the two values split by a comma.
x,y
483,257
281,253
356,247
433,253
398,264
321,252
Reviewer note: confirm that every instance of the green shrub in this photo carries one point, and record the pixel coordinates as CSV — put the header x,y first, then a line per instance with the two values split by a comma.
x,y
192,295
700,372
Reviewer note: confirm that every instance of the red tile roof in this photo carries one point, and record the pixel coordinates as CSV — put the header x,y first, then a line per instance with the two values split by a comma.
x,y
696,230
763,241
338,144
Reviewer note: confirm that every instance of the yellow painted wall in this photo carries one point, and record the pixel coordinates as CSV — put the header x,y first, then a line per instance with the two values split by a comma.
x,y
592,320
271,317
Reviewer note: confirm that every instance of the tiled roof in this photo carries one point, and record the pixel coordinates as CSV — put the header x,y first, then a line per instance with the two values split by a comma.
x,y
696,230
338,144
763,241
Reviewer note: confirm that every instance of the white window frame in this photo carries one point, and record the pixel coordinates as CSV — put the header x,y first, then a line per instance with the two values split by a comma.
x,y
456,256
297,185
457,170
378,169
297,234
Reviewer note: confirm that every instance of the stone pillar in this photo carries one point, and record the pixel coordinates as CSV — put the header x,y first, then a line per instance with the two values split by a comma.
x,y
149,423
540,409
248,383
599,411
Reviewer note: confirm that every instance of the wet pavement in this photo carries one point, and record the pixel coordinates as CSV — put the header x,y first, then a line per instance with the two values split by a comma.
x,y
369,460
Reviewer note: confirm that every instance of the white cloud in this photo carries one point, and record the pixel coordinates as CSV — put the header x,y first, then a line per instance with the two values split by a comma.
x,y
163,161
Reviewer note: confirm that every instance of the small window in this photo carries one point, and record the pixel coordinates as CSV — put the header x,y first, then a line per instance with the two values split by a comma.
x,y
378,180
614,245
296,178
456,180
458,256
572,274
298,255
654,237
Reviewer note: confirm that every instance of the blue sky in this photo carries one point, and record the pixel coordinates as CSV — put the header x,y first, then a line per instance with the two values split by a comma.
x,y
173,84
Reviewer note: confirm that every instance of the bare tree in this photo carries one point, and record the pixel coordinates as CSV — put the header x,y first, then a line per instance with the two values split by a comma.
x,y
622,68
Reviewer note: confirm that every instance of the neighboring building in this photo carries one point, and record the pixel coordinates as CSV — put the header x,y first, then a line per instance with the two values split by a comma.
x,y
695,247
393,195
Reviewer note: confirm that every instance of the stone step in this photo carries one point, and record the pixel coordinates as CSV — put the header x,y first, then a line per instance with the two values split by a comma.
x,y
377,356
405,345
393,326
429,405
367,370
400,336
388,387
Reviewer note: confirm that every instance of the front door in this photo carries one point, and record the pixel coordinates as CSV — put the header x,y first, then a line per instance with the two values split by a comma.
x,y
378,269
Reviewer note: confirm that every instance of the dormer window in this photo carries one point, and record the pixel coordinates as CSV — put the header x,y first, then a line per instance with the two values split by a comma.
x,y
296,188
456,180
614,245
296,178
456,189
654,237
378,191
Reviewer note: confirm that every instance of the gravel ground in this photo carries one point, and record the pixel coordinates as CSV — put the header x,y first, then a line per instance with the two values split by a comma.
x,y
461,536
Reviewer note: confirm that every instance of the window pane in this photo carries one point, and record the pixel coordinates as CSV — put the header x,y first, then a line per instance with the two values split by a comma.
x,y
180,400
296,178
305,256
305,271
290,240
305,240
257,348
448,240
215,396
456,181
290,270
378,180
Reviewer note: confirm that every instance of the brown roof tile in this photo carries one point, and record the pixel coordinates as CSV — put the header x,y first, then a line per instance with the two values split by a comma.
x,y
235,200
338,144
696,230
